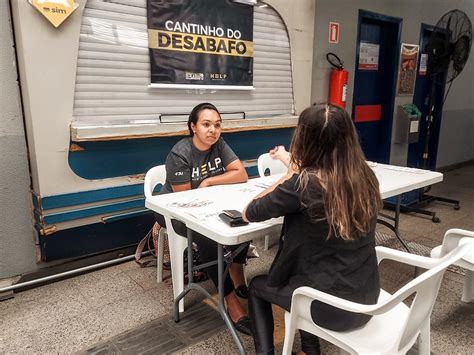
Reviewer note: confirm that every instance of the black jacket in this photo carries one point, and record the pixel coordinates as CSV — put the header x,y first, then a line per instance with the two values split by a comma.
x,y
307,257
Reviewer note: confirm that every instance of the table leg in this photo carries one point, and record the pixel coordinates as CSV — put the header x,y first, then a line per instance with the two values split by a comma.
x,y
220,275
222,310
190,256
190,276
396,222
220,288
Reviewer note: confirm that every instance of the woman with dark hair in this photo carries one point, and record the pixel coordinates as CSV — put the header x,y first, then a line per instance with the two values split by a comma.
x,y
201,160
329,199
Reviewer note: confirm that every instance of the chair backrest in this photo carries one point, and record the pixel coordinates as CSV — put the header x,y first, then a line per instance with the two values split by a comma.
x,y
452,239
410,324
273,166
153,177
426,287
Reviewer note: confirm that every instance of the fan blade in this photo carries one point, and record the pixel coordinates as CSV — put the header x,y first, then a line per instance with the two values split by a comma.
x,y
449,46
461,53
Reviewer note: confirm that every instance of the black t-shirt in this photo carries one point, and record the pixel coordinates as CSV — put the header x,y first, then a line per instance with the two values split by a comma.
x,y
185,163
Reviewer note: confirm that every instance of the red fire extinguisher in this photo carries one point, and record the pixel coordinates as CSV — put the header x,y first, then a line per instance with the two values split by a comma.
x,y
337,81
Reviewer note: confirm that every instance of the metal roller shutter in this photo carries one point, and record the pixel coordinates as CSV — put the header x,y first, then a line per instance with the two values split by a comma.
x,y
113,74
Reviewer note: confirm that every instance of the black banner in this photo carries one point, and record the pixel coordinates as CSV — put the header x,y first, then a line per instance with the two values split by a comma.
x,y
200,42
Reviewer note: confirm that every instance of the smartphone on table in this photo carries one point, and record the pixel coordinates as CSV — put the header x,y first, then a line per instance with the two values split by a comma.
x,y
233,218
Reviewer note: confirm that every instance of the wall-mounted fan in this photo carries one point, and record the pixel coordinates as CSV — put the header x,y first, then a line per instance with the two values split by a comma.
x,y
448,50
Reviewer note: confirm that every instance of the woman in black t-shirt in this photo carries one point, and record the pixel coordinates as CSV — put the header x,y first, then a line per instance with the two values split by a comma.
x,y
330,199
201,160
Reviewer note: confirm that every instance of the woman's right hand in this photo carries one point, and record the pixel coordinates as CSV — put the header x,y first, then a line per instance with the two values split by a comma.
x,y
280,153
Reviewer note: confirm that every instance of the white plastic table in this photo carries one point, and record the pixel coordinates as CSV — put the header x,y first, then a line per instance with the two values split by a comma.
x,y
396,180
199,209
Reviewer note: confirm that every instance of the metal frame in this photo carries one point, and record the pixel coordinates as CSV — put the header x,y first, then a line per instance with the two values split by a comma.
x,y
384,218
220,287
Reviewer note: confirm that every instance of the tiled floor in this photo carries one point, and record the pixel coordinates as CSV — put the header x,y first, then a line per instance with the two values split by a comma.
x,y
76,314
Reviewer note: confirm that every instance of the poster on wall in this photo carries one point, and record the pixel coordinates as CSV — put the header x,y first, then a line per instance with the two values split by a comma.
x,y
200,44
369,56
423,64
407,69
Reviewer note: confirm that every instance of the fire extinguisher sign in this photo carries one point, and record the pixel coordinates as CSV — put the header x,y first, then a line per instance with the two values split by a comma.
x,y
333,32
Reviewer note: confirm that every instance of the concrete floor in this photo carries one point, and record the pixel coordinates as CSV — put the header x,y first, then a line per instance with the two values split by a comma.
x,y
76,314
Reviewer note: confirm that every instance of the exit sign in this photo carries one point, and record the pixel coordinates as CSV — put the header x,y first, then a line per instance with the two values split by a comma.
x,y
333,32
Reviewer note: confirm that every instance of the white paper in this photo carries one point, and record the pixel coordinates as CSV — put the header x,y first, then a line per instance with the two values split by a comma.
x,y
369,56
423,64
414,126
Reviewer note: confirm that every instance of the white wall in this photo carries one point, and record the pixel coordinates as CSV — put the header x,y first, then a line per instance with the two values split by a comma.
x,y
457,129
17,244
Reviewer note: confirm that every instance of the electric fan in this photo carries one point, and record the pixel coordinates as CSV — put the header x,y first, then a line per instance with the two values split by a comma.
x,y
448,50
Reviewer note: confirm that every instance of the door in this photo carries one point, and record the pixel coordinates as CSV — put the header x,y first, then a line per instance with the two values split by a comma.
x,y
378,43
420,99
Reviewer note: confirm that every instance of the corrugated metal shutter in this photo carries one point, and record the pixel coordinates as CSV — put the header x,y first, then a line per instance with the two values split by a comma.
x,y
113,70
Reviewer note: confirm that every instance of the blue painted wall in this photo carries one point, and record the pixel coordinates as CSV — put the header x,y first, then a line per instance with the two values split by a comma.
x,y
99,160
95,238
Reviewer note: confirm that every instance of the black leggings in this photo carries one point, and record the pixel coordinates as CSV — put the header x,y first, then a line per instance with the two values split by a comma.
x,y
261,298
208,251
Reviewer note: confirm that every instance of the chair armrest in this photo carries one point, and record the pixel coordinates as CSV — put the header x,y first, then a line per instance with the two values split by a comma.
x,y
404,257
451,240
462,232
305,295
469,257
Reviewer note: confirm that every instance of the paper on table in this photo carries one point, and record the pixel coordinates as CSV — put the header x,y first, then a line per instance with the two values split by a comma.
x,y
263,185
198,208
190,204
269,181
204,214
249,190
236,198
205,210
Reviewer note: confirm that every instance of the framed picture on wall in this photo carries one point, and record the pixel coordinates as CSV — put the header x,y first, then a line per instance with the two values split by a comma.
x,y
407,69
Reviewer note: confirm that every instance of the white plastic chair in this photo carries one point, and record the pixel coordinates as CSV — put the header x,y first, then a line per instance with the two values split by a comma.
x,y
265,163
394,327
176,242
274,166
451,241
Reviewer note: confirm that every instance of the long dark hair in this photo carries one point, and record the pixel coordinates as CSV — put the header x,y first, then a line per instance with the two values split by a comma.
x,y
325,150
194,115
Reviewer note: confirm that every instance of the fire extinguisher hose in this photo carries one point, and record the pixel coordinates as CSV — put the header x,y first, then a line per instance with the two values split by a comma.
x,y
335,61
